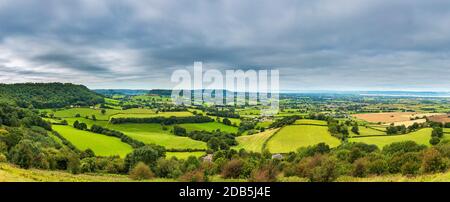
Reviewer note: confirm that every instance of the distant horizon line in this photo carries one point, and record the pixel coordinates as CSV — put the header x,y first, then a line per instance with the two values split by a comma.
x,y
295,91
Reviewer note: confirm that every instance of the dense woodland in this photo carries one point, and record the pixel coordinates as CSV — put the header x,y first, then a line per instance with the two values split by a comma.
x,y
48,95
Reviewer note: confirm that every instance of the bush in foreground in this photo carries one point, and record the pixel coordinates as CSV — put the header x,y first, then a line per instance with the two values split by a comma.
x,y
141,172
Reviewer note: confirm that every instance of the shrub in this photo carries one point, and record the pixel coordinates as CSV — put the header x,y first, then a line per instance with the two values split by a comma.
x,y
437,132
327,171
148,154
73,164
403,147
88,165
194,176
377,167
399,160
88,153
360,168
410,168
141,172
167,168
233,168
266,173
2,158
434,140
319,168
433,161
27,154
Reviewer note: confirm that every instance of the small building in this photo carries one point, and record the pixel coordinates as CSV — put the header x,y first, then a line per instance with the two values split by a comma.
x,y
277,156
207,158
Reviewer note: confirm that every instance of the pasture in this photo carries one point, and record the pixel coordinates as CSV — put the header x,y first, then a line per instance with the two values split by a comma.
x,y
421,137
310,122
154,134
367,131
102,145
254,142
127,114
292,137
211,126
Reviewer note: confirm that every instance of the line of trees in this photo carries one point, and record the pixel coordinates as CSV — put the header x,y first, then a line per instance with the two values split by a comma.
x,y
164,120
216,140
124,138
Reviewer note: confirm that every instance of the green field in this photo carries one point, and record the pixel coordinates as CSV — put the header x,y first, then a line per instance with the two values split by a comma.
x,y
310,121
125,114
290,138
66,113
154,134
366,131
421,137
254,142
264,124
102,145
211,126
183,155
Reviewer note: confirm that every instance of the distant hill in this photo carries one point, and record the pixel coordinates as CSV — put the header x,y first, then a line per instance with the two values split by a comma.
x,y
110,92
48,95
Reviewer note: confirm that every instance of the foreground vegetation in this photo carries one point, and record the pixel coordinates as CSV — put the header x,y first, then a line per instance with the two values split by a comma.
x,y
125,137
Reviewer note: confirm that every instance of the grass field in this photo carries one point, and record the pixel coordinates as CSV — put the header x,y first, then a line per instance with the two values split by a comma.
x,y
126,114
66,113
367,131
102,145
254,142
310,121
421,137
183,155
290,138
154,134
211,126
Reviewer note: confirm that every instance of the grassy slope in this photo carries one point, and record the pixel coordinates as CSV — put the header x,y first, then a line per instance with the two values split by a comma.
x,y
309,121
102,145
254,142
211,126
154,134
290,138
422,137
366,131
10,173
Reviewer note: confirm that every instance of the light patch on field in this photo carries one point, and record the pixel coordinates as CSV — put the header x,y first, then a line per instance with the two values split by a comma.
x,y
102,145
254,142
154,134
393,117
290,138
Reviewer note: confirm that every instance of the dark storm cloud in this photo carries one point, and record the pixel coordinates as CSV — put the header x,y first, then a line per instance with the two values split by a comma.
x,y
321,44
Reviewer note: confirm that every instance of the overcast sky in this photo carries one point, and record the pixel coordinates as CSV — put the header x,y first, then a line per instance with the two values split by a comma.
x,y
316,45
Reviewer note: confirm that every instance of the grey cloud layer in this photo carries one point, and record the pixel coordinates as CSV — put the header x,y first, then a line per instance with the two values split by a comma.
x,y
321,44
